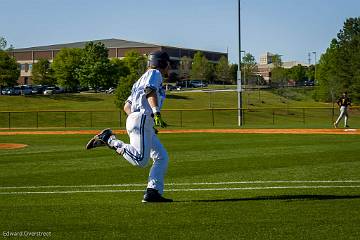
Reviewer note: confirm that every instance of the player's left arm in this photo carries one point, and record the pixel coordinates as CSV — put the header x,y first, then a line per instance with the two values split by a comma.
x,y
153,102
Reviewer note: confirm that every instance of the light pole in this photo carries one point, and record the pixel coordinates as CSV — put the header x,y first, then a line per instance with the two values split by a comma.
x,y
315,68
239,90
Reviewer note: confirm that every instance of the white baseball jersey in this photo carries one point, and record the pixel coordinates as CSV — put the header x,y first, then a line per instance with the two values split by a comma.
x,y
144,143
151,79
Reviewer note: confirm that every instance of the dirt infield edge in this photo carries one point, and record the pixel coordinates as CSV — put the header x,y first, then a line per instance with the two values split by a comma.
x,y
240,131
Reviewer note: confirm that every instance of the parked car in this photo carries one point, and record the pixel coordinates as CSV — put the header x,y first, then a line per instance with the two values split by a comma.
x,y
197,83
110,90
4,91
38,89
26,90
14,91
309,83
53,90
169,87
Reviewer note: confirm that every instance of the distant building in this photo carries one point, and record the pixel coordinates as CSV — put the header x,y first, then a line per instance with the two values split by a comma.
x,y
266,58
26,57
266,65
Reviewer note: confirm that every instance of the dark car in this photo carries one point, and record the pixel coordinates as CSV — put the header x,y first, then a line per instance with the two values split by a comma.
x,y
14,91
309,83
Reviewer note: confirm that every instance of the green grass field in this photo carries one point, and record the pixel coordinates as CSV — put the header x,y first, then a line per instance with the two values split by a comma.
x,y
225,187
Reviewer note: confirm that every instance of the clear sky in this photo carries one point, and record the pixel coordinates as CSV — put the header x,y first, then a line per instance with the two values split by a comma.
x,y
292,28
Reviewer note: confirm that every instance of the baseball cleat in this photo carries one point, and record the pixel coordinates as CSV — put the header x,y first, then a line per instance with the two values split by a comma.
x,y
100,139
347,126
152,195
335,125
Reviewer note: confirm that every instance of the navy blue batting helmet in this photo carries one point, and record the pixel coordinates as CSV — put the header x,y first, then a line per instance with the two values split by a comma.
x,y
158,59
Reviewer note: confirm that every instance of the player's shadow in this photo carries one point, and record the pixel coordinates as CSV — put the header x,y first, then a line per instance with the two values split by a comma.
x,y
280,197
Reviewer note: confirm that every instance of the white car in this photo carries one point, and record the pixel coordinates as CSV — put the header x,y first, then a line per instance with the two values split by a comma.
x,y
53,90
49,91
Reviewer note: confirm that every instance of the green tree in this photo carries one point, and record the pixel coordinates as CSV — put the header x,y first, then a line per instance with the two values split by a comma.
x,y
123,90
65,64
276,60
95,70
249,69
310,73
233,73
185,67
210,75
279,76
42,73
297,73
135,64
222,70
199,66
329,81
120,69
9,70
3,43
339,66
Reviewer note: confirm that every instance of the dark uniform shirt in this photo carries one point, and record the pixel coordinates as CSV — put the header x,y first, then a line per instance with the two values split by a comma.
x,y
344,101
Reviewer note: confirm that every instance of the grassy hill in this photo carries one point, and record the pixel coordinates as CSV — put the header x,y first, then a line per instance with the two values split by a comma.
x,y
285,108
175,100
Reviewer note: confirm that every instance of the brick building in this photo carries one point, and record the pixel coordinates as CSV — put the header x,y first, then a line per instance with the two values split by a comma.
x,y
26,57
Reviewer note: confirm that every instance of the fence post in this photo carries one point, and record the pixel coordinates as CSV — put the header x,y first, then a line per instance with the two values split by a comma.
x,y
304,115
212,116
181,118
243,115
120,118
273,115
91,119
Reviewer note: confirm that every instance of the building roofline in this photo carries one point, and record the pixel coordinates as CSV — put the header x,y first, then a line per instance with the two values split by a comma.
x,y
111,43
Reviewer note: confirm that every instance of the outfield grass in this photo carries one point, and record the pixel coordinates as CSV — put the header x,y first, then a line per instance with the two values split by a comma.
x,y
239,209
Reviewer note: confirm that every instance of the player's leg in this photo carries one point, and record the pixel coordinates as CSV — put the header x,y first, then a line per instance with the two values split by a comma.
x,y
139,127
341,115
100,139
159,167
155,187
346,118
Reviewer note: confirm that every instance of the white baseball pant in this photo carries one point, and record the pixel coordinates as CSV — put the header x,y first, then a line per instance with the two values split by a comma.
x,y
145,144
343,113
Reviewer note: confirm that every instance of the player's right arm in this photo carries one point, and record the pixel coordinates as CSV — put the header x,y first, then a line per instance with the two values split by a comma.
x,y
127,108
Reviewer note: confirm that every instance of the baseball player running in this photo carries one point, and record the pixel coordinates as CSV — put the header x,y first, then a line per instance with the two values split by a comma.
x,y
343,102
143,109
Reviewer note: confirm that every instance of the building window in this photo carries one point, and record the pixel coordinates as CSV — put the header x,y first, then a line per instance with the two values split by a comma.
x,y
30,67
22,67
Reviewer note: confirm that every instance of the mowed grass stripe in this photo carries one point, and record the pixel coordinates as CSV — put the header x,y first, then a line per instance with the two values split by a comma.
x,y
181,184
181,189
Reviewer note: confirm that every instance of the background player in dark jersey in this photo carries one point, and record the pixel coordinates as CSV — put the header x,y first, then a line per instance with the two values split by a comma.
x,y
343,102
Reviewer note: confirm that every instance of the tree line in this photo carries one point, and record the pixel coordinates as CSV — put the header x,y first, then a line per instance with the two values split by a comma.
x,y
339,67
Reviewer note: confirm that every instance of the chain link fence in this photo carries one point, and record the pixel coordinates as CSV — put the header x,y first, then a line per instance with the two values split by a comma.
x,y
183,118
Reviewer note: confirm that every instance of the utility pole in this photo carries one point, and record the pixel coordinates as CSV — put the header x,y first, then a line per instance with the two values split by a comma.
x,y
315,68
239,90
